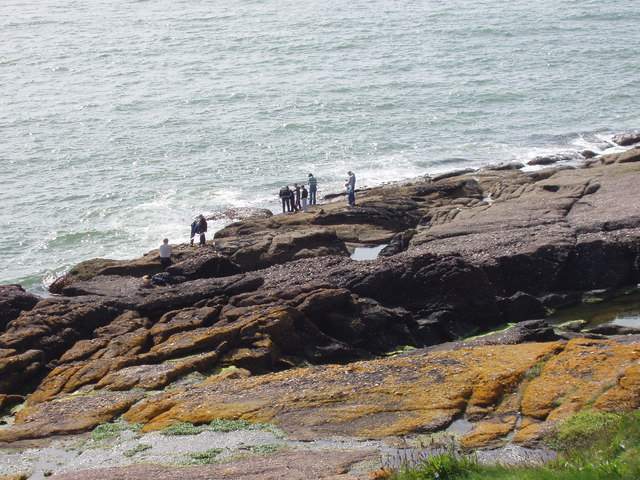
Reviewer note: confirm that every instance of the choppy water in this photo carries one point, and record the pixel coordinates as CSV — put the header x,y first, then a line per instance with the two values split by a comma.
x,y
121,120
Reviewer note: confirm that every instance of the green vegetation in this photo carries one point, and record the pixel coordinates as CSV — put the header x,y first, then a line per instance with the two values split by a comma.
x,y
266,449
398,350
184,428
593,446
106,434
204,458
137,449
221,425
107,430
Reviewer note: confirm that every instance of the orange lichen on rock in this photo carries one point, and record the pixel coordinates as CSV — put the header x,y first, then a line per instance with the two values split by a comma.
x,y
72,415
414,393
625,395
490,431
576,377
587,373
369,399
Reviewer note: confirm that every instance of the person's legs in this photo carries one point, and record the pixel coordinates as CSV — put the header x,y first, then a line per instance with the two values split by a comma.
x,y
352,198
203,240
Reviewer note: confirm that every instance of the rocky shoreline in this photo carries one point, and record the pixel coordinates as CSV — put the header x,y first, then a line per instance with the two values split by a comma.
x,y
274,322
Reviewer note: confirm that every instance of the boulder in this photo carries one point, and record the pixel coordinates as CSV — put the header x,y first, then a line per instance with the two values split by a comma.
x,y
627,139
279,292
13,300
628,156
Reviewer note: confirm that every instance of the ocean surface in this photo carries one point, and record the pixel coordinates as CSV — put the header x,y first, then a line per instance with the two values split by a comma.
x,y
122,120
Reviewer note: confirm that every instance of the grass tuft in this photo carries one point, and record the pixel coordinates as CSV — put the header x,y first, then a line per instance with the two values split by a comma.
x,y
593,446
137,449
204,458
184,428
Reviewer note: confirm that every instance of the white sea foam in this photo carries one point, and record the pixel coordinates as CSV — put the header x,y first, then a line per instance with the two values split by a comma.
x,y
122,123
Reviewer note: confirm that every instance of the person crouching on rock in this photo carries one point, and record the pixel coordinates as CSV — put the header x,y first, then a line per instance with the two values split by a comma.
x,y
165,253
202,228
194,230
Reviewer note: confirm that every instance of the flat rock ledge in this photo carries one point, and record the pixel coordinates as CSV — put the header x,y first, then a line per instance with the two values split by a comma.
x,y
274,322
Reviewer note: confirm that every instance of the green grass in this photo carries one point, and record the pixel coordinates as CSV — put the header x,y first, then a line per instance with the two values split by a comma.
x,y
221,425
204,458
184,428
107,430
592,446
137,449
266,449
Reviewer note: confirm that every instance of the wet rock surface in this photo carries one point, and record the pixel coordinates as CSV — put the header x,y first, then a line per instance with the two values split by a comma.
x,y
468,252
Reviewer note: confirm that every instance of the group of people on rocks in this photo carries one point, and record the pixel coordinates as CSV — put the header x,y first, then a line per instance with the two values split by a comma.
x,y
293,200
298,198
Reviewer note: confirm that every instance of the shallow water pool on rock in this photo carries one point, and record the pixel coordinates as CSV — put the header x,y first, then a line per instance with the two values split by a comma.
x,y
367,253
623,310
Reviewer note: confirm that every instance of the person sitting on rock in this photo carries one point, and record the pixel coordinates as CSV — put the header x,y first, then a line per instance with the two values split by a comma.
x,y
146,282
165,253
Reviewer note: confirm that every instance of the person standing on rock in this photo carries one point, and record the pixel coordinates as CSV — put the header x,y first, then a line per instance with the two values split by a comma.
x,y
303,198
202,228
313,187
351,188
165,253
296,189
284,196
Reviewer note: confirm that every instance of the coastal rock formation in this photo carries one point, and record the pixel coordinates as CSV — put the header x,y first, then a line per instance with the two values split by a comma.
x,y
13,300
466,253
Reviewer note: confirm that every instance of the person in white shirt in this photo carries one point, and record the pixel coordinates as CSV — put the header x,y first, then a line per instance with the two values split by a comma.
x,y
351,187
165,253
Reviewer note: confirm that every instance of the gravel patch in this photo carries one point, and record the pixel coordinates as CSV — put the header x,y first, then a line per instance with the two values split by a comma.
x,y
157,451
129,448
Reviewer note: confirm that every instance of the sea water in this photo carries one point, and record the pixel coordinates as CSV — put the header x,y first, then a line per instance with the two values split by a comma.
x,y
121,120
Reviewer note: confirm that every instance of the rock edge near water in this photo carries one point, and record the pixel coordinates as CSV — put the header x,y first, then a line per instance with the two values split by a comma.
x,y
466,253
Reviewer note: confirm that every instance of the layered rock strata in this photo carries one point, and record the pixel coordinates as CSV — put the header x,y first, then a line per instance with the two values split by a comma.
x,y
466,253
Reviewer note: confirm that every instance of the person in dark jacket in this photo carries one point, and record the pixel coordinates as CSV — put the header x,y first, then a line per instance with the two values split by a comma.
x,y
202,228
194,230
285,196
295,197
303,198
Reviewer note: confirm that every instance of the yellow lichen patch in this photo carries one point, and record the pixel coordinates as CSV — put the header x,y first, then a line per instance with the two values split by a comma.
x,y
530,431
421,392
489,432
625,395
73,415
53,384
374,398
575,378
